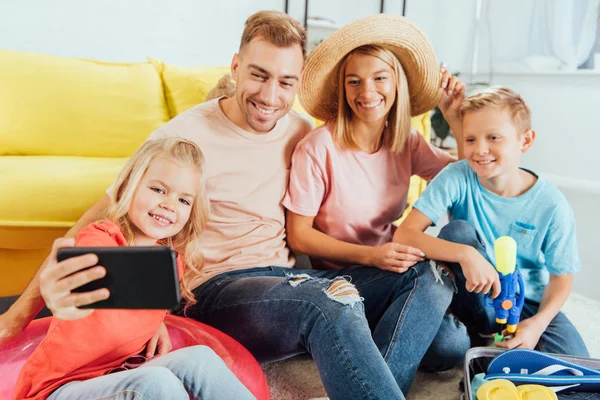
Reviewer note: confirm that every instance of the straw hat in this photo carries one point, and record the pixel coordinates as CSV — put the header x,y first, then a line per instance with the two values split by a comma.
x,y
319,91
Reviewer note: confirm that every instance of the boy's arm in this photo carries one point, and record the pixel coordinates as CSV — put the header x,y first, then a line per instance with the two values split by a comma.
x,y
556,293
480,274
531,329
13,321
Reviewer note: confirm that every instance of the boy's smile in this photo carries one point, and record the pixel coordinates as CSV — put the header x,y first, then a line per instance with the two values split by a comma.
x,y
493,147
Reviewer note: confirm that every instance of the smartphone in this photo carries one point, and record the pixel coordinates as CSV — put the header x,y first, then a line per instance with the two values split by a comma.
x,y
137,277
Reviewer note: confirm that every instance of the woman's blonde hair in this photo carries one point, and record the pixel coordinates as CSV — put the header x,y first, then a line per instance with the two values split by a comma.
x,y
398,120
185,242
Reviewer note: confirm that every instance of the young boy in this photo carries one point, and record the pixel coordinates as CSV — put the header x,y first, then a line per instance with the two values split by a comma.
x,y
487,196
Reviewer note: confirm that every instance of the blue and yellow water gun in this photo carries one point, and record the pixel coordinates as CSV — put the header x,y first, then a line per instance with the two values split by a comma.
x,y
508,304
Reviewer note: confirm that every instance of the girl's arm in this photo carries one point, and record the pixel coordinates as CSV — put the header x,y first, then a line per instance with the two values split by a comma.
x,y
304,238
480,274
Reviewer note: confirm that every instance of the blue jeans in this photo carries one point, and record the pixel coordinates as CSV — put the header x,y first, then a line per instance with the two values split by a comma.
x,y
560,336
195,372
366,347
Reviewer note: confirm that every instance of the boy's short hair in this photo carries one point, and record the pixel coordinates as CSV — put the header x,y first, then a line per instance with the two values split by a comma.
x,y
277,28
500,97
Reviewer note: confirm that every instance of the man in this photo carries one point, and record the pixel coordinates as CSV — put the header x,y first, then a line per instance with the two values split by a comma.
x,y
247,288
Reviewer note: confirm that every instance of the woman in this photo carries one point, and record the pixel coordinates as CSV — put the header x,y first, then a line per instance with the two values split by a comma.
x,y
349,180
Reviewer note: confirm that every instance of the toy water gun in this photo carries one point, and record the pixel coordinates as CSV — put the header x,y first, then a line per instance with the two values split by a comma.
x,y
508,304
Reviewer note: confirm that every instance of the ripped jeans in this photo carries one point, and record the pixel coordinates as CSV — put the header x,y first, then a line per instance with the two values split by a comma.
x,y
367,345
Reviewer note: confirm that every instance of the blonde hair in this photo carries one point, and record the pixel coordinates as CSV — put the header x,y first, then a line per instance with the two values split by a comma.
x,y
502,98
185,242
277,28
398,120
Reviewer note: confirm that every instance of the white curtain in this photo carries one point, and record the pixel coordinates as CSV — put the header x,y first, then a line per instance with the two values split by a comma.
x,y
563,33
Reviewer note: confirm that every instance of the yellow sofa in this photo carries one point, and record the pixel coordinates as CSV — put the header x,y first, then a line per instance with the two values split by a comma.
x,y
66,128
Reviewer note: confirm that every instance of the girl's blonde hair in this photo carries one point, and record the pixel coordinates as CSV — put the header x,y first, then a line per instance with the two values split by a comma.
x,y
186,241
398,121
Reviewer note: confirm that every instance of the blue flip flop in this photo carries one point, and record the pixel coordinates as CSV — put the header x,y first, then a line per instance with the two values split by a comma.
x,y
522,366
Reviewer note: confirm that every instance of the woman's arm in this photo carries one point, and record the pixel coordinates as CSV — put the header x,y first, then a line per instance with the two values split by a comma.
x,y
480,274
453,94
303,237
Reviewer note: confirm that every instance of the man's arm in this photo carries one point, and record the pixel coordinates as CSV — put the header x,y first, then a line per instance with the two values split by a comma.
x,y
480,274
531,329
31,302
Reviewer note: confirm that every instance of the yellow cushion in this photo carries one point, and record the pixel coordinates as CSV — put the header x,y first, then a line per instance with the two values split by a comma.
x,y
50,191
53,105
186,87
421,123
299,109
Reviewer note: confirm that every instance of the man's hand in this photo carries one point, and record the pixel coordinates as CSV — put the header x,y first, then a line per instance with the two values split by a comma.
x,y
11,326
453,93
527,335
480,274
395,257
56,283
160,343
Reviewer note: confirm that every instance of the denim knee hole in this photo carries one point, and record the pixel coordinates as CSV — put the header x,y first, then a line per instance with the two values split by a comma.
x,y
342,291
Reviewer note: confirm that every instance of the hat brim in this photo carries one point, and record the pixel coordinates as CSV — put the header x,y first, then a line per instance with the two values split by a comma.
x,y
319,90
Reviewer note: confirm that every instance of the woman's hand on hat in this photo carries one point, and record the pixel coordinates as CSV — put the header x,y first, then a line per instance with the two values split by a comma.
x,y
453,93
395,257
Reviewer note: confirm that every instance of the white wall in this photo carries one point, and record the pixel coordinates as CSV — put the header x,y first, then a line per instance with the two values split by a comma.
x,y
186,32
200,32
564,105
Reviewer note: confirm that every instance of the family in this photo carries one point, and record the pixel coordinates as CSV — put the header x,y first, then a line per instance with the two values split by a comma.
x,y
236,183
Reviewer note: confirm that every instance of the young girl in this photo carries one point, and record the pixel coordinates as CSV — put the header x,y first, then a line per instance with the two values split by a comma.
x,y
158,199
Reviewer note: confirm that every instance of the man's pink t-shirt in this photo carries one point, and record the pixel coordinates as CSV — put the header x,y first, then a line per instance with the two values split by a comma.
x,y
355,196
246,178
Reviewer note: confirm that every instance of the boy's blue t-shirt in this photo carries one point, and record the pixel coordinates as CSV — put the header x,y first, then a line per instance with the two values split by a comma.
x,y
540,220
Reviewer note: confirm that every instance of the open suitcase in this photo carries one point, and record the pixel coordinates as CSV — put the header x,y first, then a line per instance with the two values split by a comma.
x,y
478,359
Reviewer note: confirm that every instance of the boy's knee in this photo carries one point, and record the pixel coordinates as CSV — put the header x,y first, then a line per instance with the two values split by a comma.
x,y
459,231
449,346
